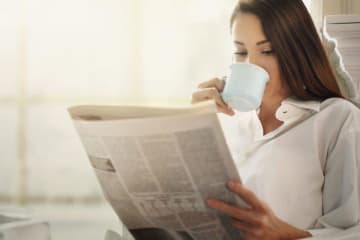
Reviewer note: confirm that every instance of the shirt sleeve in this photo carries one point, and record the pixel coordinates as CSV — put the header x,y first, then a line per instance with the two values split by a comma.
x,y
341,190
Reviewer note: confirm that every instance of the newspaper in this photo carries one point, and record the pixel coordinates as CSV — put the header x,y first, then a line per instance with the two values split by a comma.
x,y
157,167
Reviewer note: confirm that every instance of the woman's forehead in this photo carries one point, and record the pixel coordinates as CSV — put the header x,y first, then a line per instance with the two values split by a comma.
x,y
247,28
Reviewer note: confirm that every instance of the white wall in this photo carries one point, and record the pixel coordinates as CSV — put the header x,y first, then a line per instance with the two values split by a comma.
x,y
56,53
335,7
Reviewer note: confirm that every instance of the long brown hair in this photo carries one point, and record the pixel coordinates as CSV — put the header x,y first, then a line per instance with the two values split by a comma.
x,y
304,65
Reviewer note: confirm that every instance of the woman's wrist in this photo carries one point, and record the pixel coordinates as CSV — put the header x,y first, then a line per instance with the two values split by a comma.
x,y
294,232
299,234
305,234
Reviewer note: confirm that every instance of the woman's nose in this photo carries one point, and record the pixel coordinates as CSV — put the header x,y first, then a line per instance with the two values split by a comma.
x,y
250,59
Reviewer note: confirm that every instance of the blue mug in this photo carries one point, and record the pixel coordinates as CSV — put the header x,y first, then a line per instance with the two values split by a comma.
x,y
245,86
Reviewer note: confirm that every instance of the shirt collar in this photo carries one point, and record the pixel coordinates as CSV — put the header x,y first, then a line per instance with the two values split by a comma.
x,y
308,105
292,109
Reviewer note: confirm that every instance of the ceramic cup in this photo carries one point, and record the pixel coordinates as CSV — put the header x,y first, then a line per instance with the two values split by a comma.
x,y
244,87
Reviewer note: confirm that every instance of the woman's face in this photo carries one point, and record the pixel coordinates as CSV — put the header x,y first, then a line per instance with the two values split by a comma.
x,y
251,46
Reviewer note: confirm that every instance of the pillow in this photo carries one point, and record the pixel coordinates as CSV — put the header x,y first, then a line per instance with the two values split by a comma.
x,y
346,83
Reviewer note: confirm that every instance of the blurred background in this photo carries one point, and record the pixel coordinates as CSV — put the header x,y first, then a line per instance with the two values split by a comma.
x,y
58,53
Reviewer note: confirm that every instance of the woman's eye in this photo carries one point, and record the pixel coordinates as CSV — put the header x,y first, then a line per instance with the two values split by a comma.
x,y
240,53
268,52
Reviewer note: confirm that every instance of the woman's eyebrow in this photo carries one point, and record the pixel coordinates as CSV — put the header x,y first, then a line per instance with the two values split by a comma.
x,y
258,43
262,42
239,43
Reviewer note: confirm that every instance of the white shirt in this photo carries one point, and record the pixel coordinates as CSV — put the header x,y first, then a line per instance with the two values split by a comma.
x,y
307,169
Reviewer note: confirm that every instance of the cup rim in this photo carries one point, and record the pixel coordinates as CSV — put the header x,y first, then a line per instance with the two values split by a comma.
x,y
254,66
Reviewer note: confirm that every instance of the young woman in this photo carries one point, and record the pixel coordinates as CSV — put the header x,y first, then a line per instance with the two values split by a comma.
x,y
300,175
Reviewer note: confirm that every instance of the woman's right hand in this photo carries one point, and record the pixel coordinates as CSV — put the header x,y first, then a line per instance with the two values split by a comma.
x,y
212,89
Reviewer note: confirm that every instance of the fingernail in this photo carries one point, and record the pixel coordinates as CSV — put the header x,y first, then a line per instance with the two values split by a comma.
x,y
231,111
231,183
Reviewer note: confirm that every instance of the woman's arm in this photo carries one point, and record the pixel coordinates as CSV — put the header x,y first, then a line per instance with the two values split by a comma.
x,y
341,191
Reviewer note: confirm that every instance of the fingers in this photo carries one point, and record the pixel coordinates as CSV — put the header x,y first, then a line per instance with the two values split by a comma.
x,y
215,82
211,90
206,94
233,211
212,93
245,228
228,110
247,195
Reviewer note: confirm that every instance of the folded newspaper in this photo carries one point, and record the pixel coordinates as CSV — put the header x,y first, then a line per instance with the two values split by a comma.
x,y
157,166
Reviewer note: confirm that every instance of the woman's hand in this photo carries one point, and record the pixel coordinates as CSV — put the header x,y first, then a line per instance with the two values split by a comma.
x,y
211,90
257,221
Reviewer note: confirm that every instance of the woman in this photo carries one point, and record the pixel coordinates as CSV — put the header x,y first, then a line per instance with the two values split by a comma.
x,y
300,176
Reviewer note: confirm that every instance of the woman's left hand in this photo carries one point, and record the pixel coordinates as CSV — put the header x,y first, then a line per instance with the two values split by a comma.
x,y
257,221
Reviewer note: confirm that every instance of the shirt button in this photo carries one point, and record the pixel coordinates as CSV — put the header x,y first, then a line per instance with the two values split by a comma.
x,y
288,112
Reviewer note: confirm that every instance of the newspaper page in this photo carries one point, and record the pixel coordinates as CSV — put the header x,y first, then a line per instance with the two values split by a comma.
x,y
158,166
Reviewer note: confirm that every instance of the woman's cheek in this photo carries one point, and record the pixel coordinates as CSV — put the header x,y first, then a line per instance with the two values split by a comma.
x,y
272,67
274,83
